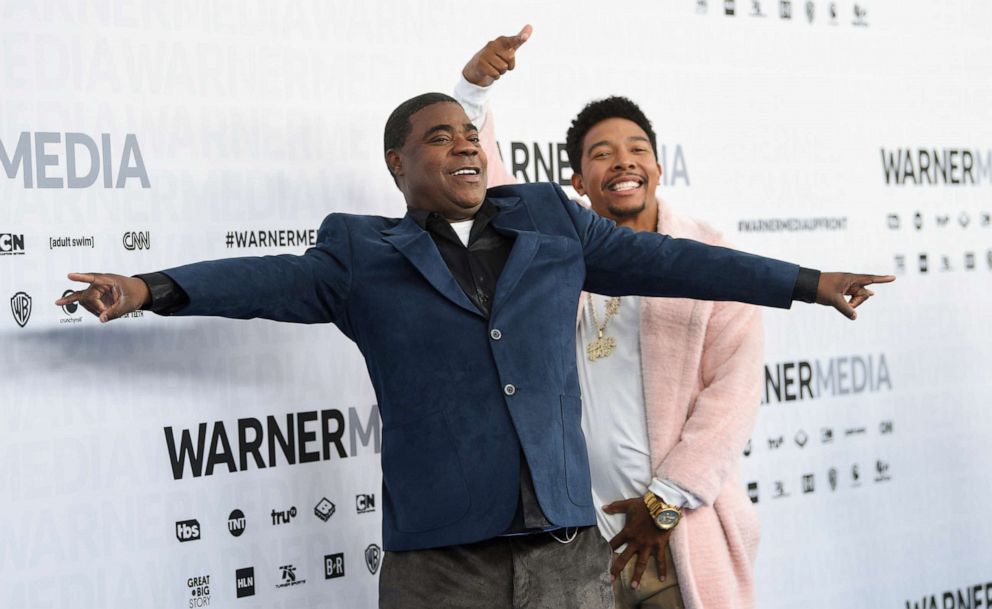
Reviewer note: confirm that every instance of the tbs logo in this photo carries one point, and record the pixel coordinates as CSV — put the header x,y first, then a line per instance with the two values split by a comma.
x,y
187,530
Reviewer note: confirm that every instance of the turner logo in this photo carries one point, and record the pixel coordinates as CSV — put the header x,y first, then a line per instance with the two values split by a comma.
x,y
937,166
46,159
302,437
187,530
837,376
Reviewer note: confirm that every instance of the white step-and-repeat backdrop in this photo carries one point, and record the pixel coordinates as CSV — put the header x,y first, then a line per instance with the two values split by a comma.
x,y
184,463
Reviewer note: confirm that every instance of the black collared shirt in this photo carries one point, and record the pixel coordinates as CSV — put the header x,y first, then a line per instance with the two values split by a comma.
x,y
475,267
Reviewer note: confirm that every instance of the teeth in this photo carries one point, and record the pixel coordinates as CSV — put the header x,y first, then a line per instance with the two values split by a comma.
x,y
625,186
466,172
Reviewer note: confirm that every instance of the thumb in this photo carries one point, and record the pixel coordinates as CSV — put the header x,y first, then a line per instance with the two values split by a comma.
x,y
846,309
616,506
515,42
119,307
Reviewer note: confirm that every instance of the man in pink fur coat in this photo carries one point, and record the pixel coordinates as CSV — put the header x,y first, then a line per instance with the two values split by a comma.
x,y
670,386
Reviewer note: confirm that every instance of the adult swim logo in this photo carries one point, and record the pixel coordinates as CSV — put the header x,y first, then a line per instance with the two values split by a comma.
x,y
11,244
837,376
20,307
45,159
302,437
937,166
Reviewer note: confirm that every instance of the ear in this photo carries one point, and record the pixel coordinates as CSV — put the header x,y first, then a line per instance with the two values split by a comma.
x,y
578,185
394,162
660,172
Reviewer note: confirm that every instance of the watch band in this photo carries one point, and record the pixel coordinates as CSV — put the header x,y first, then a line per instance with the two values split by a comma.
x,y
664,515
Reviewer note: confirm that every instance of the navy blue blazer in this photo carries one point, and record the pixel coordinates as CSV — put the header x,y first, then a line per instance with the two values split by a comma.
x,y
460,395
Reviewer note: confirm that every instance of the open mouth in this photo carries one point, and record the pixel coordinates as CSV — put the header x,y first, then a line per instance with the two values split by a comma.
x,y
625,183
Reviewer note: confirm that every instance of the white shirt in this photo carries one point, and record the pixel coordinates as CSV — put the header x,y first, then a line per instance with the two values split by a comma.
x,y
614,418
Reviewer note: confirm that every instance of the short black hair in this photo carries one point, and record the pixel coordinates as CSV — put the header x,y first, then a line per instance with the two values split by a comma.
x,y
596,112
398,125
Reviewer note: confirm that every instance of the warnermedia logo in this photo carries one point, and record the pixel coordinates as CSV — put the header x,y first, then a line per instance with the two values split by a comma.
x,y
38,156
804,380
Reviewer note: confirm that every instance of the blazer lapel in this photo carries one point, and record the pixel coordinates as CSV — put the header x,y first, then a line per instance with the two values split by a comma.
x,y
418,247
514,218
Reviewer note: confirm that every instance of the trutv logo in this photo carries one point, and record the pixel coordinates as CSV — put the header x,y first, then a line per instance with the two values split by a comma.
x,y
48,159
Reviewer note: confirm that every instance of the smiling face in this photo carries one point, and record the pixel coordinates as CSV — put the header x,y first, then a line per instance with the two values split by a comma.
x,y
441,167
620,171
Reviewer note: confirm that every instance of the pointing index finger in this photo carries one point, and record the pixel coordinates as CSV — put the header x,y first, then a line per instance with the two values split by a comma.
x,y
84,277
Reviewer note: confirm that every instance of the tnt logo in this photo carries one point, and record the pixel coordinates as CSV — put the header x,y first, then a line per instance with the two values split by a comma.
x,y
236,523
365,503
137,241
334,565
187,530
11,244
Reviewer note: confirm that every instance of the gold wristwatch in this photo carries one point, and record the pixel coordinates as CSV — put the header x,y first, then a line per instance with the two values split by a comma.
x,y
665,516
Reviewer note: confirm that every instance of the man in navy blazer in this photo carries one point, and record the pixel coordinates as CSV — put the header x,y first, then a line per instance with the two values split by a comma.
x,y
477,388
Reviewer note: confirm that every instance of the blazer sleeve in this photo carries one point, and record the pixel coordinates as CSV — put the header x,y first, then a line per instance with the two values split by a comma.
x,y
312,288
621,262
723,414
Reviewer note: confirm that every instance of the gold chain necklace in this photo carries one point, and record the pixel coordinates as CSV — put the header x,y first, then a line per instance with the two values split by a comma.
x,y
603,345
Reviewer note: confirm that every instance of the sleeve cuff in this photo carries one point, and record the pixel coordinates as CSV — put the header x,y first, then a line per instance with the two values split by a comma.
x,y
167,296
806,284
673,494
473,99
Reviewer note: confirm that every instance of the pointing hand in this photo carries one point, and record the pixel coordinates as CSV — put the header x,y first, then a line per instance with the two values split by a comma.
x,y
494,59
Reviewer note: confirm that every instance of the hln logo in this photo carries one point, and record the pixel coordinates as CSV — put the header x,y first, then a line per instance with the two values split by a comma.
x,y
245,582
40,155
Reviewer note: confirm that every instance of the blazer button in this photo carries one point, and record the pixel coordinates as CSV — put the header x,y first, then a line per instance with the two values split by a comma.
x,y
509,389
495,334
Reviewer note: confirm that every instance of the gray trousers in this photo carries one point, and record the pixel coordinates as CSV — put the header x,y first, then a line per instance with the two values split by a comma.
x,y
522,572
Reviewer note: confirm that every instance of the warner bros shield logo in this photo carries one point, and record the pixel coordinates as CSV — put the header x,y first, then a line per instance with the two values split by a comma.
x,y
20,306
373,556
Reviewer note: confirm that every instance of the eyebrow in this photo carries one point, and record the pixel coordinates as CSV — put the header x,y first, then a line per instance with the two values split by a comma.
x,y
449,129
636,138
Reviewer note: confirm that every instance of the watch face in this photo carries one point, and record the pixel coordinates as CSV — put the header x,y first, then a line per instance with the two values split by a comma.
x,y
668,519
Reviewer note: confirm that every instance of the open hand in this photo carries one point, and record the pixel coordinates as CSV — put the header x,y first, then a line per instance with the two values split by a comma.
x,y
642,537
494,59
108,296
833,287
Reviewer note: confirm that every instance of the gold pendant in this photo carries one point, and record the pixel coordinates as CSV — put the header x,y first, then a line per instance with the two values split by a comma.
x,y
600,348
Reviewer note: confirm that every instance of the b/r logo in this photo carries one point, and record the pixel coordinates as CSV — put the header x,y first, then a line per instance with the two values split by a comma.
x,y
187,530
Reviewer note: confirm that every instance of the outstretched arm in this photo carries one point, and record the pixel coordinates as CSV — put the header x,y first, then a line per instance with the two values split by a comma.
x,y
472,91
312,288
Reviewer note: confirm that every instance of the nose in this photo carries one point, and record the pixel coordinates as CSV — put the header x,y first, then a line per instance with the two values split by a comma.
x,y
465,147
623,160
